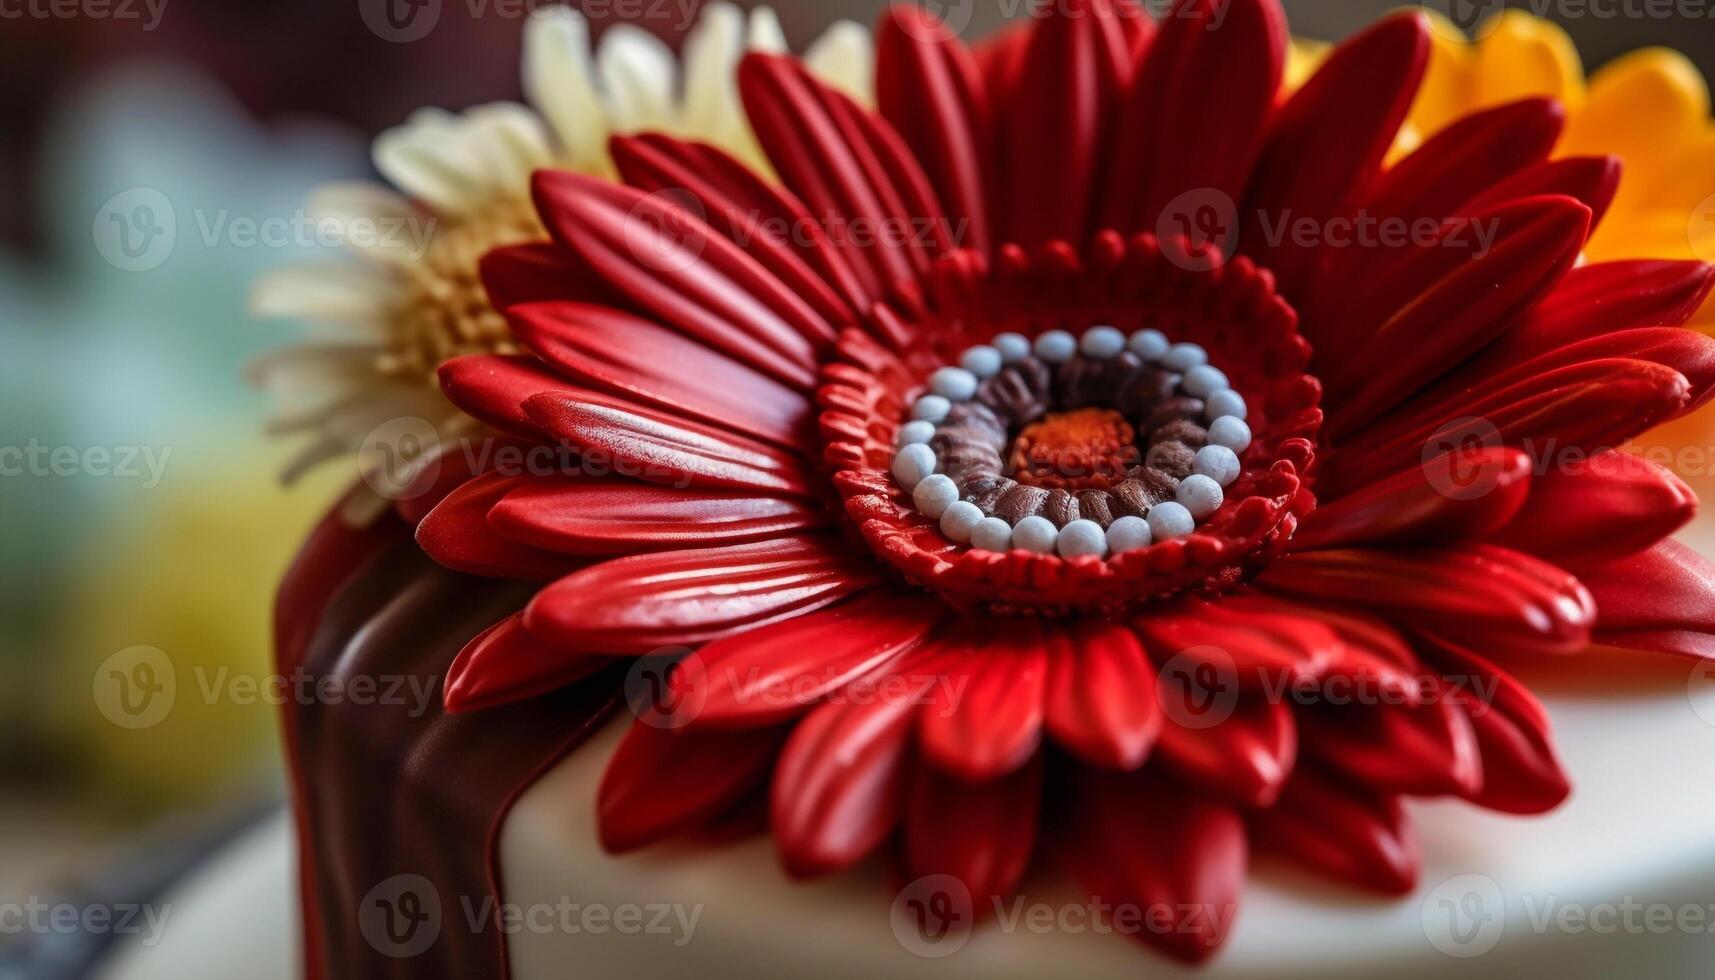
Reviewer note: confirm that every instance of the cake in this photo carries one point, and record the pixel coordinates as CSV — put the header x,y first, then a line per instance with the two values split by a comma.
x,y
982,531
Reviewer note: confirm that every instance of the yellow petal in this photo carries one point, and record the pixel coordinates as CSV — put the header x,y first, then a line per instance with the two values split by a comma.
x,y
1449,82
1303,57
1520,56
1651,108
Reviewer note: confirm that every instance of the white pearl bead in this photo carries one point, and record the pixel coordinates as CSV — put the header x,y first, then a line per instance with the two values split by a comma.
x,y
1128,533
954,384
1200,495
912,463
1012,346
1230,431
933,408
1170,520
1102,342
1184,357
1148,344
959,519
934,494
992,534
1218,463
920,430
1225,402
1056,346
983,361
1036,534
1080,538
1203,380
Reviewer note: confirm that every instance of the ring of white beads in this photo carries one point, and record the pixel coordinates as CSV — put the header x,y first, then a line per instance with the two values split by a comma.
x,y
1216,465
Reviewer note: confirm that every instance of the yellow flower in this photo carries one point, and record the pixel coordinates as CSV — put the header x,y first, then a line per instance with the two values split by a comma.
x,y
1650,108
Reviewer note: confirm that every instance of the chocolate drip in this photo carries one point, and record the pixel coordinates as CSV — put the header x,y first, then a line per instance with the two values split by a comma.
x,y
1172,410
1019,393
1082,381
1183,430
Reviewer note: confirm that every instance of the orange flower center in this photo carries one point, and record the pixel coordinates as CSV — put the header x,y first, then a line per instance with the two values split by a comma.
x,y
1080,449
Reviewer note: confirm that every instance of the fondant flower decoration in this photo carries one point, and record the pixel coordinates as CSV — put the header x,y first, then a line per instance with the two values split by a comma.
x,y
1000,504
412,297
1649,109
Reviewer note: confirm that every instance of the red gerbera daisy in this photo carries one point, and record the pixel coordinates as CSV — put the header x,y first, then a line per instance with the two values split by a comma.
x,y
1001,504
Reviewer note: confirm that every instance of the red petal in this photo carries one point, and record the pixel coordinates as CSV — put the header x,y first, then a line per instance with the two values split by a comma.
x,y
847,170
761,218
1341,830
1590,180
1329,139
1417,750
662,782
1101,700
1243,749
1594,300
986,719
504,663
457,534
1146,841
767,675
648,364
1231,54
1448,297
1478,594
837,787
1455,496
1609,505
617,437
1521,772
1243,640
927,86
1589,406
494,387
672,264
1662,600
980,833
513,274
617,516
1053,124
683,598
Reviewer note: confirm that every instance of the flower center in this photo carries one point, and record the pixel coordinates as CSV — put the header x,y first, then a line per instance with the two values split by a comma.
x,y
1083,449
443,311
1061,433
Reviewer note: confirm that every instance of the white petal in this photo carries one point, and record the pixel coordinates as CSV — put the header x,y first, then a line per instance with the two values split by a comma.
x,y
844,57
559,80
711,111
514,141
355,209
341,292
431,158
765,32
638,72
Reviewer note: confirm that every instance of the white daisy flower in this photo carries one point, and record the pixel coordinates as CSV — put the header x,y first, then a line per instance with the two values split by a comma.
x,y
460,185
